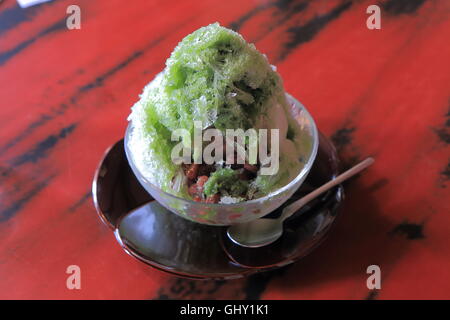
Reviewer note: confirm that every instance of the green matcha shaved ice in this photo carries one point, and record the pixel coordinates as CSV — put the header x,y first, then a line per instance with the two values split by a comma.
x,y
216,77
225,180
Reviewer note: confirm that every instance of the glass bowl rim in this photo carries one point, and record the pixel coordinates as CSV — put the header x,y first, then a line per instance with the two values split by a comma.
x,y
303,173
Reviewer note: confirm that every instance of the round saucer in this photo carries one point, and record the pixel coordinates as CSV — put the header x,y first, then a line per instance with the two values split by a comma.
x,y
159,238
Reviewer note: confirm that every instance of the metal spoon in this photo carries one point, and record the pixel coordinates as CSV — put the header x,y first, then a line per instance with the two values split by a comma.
x,y
261,232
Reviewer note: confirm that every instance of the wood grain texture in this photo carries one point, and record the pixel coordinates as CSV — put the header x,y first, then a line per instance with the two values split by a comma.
x,y
65,96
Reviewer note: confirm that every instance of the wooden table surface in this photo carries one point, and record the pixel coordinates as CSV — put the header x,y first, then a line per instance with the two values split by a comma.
x,y
65,95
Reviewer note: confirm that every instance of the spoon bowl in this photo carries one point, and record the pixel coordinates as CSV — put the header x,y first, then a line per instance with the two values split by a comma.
x,y
256,233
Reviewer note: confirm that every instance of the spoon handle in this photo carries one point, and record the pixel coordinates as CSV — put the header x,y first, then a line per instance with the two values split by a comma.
x,y
289,210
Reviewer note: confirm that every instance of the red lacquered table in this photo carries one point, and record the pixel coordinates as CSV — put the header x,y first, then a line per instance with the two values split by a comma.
x,y
65,95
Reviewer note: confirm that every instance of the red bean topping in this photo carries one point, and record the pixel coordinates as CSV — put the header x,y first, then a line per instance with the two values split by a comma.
x,y
251,168
193,190
213,199
192,171
244,175
205,169
202,180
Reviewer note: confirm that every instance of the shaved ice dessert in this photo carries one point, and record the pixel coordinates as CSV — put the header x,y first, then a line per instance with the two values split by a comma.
x,y
216,78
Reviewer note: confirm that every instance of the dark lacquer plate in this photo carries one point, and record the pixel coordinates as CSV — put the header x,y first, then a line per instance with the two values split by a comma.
x,y
168,242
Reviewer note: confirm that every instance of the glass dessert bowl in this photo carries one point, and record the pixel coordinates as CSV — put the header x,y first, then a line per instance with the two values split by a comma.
x,y
221,214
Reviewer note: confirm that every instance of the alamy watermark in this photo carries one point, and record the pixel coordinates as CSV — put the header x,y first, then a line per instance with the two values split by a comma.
x,y
74,280
374,280
74,20
240,147
374,20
